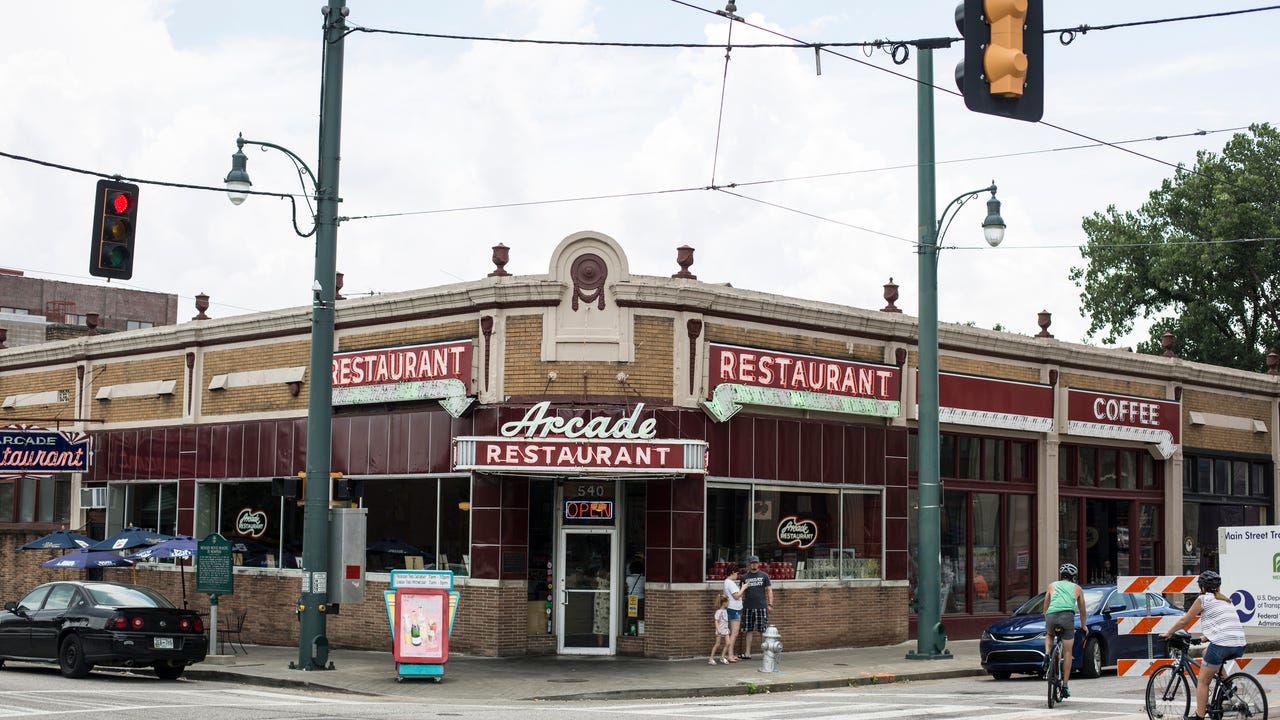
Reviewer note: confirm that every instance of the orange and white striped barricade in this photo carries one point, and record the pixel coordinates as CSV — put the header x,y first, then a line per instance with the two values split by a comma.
x,y
1157,583
1257,665
1151,624
1133,667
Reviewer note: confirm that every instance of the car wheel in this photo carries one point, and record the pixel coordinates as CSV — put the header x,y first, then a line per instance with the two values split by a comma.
x,y
1092,664
169,671
71,658
1001,674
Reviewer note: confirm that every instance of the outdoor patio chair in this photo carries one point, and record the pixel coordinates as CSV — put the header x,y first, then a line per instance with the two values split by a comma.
x,y
232,633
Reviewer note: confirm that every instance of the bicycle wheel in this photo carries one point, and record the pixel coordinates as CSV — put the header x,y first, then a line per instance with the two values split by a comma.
x,y
1242,696
1168,694
1053,677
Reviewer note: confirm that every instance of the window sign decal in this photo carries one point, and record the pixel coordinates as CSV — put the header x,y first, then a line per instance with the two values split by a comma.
x,y
798,532
251,523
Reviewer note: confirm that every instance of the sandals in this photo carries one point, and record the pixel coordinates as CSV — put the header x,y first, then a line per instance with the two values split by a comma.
x,y
730,660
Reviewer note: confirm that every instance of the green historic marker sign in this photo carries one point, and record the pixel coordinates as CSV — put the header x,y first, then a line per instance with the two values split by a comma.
x,y
213,566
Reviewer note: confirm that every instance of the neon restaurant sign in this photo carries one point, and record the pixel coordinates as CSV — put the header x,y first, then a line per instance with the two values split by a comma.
x,y
752,376
543,442
440,371
26,450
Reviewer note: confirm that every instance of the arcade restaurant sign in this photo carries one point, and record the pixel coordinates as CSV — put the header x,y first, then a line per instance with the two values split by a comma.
x,y
28,450
543,442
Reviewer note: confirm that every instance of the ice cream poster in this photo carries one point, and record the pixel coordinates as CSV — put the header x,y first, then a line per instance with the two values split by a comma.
x,y
422,626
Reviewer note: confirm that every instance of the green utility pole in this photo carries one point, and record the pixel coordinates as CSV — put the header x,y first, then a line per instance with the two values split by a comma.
x,y
313,646
931,639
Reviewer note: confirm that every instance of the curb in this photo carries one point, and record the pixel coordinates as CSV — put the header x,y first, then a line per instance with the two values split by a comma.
x,y
272,682
763,688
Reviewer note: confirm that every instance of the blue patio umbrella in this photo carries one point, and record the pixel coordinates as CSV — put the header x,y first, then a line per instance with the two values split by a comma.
x,y
59,540
131,537
88,559
181,547
392,547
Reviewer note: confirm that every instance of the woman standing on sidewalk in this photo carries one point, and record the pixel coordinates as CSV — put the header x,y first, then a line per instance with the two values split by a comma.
x,y
733,590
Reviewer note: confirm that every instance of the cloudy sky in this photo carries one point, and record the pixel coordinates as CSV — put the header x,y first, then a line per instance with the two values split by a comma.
x,y
456,145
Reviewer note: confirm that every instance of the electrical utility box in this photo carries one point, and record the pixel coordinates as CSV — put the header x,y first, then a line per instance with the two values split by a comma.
x,y
347,533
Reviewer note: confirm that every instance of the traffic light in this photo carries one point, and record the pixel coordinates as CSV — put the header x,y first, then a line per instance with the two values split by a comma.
x,y
1003,68
115,215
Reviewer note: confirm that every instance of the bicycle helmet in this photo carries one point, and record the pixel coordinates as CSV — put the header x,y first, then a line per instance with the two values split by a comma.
x,y
1209,581
1068,570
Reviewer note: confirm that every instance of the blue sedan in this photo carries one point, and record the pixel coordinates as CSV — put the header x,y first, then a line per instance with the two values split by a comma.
x,y
1016,644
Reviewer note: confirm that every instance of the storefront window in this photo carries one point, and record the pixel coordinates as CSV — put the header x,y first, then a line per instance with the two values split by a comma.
x,y
1017,561
954,541
1221,477
800,533
1088,467
970,451
153,506
1107,468
6,501
542,514
986,551
419,523
1240,478
993,459
29,499
1068,531
1128,471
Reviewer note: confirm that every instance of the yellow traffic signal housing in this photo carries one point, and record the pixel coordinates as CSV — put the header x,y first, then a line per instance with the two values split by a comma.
x,y
1004,63
1003,68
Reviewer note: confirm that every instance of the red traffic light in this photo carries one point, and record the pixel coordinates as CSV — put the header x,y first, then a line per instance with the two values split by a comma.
x,y
121,203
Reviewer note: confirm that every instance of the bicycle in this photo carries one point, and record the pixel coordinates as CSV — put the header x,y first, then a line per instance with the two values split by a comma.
x,y
1231,697
1053,670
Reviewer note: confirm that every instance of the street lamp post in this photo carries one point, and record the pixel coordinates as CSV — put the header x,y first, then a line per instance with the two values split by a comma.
x,y
931,638
313,646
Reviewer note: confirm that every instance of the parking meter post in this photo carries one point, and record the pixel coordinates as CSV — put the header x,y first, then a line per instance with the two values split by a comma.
x,y
213,622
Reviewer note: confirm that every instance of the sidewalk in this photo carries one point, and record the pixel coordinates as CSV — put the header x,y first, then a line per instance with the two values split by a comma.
x,y
484,679
475,679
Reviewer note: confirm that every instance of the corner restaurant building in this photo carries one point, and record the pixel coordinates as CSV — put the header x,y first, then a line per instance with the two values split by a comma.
x,y
589,450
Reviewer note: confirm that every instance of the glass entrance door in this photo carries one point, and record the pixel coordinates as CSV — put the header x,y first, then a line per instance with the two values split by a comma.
x,y
585,607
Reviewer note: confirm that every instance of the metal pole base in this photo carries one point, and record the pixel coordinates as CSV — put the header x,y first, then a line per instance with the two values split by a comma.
x,y
916,655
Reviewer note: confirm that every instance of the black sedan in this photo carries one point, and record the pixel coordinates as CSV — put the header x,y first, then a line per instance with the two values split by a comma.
x,y
1016,643
82,624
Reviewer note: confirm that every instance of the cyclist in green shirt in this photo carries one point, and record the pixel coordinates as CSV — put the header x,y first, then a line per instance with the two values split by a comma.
x,y
1062,598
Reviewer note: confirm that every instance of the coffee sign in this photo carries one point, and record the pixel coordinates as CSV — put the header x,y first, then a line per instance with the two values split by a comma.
x,y
797,532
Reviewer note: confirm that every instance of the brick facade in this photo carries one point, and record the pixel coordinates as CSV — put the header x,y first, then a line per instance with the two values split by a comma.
x,y
655,354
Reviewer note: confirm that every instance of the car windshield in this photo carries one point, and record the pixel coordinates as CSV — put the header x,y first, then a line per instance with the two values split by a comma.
x,y
127,596
1092,602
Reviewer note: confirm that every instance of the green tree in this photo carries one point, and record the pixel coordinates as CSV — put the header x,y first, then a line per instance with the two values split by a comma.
x,y
1201,257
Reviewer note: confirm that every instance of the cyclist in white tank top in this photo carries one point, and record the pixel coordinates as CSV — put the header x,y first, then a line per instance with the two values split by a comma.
x,y
1220,625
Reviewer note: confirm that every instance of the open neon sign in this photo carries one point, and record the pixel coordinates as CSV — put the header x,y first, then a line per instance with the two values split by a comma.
x,y
588,509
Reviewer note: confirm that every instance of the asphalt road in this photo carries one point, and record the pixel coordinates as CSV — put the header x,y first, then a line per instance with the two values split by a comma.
x,y
29,691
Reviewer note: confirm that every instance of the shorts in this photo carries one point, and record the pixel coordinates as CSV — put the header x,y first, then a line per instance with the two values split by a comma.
x,y
755,619
734,615
1064,619
721,634
1215,655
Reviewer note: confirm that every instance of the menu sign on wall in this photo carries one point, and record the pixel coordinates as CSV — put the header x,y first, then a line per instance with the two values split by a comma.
x,y
1124,417
440,371
752,376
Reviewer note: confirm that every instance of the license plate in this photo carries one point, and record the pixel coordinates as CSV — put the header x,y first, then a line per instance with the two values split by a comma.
x,y
164,643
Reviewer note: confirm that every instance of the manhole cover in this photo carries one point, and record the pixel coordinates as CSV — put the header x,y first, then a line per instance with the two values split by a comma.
x,y
568,680
841,664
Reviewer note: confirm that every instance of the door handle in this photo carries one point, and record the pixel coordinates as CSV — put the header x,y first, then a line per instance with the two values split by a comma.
x,y
564,594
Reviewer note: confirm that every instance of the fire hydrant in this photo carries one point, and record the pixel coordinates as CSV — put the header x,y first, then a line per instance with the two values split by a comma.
x,y
771,647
